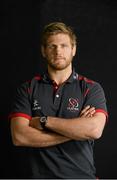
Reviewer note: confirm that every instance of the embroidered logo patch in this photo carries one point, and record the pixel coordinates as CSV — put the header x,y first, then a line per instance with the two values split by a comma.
x,y
36,105
73,105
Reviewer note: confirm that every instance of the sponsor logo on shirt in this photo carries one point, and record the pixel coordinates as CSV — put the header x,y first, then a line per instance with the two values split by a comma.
x,y
73,105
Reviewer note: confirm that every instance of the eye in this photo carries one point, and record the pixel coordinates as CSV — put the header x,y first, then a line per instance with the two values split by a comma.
x,y
50,46
64,45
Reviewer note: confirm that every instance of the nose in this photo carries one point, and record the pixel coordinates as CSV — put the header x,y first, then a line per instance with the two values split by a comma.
x,y
58,50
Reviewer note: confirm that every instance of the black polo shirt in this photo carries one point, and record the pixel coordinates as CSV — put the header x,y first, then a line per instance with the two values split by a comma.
x,y
42,96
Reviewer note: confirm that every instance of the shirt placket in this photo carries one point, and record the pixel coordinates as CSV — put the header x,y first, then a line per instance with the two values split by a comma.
x,y
57,94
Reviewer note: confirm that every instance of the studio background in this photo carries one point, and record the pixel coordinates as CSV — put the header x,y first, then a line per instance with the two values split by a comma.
x,y
95,24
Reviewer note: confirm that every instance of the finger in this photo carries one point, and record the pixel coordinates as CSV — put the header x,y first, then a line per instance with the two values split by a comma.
x,y
84,114
87,112
89,115
85,109
92,111
92,108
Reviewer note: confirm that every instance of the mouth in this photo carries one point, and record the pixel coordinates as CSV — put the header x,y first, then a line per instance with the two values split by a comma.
x,y
59,58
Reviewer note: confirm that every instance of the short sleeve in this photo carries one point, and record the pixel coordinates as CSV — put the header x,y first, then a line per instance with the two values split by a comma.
x,y
21,106
96,98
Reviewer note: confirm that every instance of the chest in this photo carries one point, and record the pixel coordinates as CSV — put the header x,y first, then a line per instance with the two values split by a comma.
x,y
66,101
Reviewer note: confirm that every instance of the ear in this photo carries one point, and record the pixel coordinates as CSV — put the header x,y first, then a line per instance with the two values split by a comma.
x,y
74,50
43,51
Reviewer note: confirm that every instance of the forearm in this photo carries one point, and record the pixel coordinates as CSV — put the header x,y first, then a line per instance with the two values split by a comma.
x,y
39,138
68,127
81,128
24,135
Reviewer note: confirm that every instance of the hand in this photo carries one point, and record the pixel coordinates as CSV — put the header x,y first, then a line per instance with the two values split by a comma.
x,y
87,111
35,123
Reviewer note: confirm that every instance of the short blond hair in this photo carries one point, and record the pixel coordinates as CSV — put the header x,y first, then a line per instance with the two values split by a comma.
x,y
56,28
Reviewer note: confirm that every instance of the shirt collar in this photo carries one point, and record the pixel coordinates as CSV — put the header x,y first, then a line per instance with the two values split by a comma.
x,y
73,76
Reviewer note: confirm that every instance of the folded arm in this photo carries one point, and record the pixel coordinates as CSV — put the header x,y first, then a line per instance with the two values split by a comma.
x,y
28,133
80,128
24,135
89,125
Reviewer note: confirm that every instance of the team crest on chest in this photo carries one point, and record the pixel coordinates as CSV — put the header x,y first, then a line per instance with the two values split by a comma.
x,y
73,105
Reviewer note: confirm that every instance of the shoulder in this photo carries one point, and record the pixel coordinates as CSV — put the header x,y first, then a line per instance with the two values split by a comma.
x,y
29,85
85,80
88,84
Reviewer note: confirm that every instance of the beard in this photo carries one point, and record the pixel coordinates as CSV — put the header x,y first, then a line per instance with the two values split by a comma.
x,y
59,64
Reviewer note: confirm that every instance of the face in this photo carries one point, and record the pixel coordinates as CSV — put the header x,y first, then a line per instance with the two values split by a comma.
x,y
59,51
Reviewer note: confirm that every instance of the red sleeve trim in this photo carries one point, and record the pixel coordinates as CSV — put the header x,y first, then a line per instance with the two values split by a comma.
x,y
103,111
20,115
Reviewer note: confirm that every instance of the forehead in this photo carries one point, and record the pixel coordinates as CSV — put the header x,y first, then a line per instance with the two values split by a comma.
x,y
59,38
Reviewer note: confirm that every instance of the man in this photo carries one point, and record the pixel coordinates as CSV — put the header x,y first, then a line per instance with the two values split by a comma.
x,y
60,113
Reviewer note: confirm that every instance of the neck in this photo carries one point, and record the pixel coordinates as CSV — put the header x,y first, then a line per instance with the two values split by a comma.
x,y
60,76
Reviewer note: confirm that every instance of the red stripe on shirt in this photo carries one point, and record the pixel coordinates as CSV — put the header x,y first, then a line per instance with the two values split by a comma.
x,y
103,111
20,115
